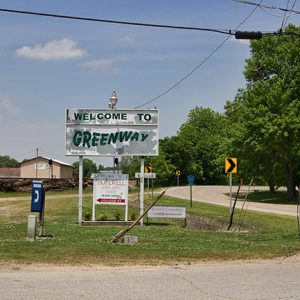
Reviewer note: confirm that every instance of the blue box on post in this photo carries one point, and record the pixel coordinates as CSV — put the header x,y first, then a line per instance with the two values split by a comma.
x,y
191,179
37,196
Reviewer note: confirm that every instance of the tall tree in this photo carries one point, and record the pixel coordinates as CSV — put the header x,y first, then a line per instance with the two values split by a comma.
x,y
200,139
269,108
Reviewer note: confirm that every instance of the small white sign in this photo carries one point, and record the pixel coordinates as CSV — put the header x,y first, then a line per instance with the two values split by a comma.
x,y
146,175
177,212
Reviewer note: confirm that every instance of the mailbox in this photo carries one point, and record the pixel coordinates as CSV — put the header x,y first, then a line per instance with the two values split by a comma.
x,y
37,196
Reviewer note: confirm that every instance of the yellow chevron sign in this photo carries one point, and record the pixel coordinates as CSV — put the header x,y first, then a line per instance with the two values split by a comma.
x,y
148,169
230,165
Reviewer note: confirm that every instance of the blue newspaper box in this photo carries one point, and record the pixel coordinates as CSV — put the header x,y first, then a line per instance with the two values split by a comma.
x,y
37,196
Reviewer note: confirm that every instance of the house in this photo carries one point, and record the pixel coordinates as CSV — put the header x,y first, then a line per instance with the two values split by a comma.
x,y
44,167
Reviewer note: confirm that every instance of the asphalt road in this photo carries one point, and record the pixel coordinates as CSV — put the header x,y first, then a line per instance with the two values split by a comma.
x,y
219,195
277,279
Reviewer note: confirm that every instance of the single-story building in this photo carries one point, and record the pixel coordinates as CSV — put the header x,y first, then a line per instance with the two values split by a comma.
x,y
44,167
10,172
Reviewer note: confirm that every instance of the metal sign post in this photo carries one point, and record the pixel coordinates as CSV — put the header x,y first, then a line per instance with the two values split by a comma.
x,y
230,167
80,190
177,175
190,180
142,179
230,189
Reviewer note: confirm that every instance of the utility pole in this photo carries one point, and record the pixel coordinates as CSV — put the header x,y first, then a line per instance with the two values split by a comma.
x,y
36,162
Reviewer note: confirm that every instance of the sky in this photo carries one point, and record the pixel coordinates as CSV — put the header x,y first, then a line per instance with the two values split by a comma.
x,y
48,65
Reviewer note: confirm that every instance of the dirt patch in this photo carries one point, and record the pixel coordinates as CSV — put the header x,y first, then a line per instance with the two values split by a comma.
x,y
206,224
201,223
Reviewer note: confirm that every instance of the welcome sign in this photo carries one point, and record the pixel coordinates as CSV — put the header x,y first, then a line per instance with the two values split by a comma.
x,y
111,132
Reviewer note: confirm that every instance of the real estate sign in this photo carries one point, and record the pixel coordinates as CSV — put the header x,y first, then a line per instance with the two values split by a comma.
x,y
111,132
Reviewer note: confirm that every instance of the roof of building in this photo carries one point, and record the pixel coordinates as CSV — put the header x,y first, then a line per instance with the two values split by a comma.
x,y
48,158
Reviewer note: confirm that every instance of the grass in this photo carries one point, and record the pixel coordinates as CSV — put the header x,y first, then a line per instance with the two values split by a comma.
x,y
279,197
262,236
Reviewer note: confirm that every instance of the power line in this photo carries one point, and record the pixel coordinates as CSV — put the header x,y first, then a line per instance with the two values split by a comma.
x,y
286,20
25,12
283,18
269,7
201,63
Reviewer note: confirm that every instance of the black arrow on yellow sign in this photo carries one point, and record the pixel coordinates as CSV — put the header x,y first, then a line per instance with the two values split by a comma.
x,y
231,165
148,169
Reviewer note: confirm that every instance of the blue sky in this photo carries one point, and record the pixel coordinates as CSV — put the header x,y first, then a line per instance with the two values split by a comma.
x,y
48,65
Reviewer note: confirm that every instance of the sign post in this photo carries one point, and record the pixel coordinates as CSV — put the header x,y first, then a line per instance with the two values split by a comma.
x,y
148,170
80,189
178,175
230,167
142,180
190,180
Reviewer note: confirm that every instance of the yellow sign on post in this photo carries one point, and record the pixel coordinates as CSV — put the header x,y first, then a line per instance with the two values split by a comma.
x,y
148,169
177,172
230,165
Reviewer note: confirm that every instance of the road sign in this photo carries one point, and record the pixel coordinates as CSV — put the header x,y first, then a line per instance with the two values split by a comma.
x,y
230,165
37,196
177,172
190,179
148,169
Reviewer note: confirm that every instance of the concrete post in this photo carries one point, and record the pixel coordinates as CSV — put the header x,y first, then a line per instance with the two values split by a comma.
x,y
31,231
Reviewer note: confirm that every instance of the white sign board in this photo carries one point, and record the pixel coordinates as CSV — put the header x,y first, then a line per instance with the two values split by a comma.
x,y
177,212
146,175
110,189
111,132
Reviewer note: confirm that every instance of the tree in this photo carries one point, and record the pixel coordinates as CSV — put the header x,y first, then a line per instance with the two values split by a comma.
x,y
269,108
7,162
89,167
196,148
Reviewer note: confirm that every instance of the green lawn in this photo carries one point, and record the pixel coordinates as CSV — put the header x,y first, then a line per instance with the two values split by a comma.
x,y
279,197
163,241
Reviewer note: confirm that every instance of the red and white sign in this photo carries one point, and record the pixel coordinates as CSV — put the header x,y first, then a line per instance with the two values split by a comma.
x,y
110,188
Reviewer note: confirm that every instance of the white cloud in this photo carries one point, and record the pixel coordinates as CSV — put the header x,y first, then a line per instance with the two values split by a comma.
x,y
52,50
103,65
127,39
7,107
